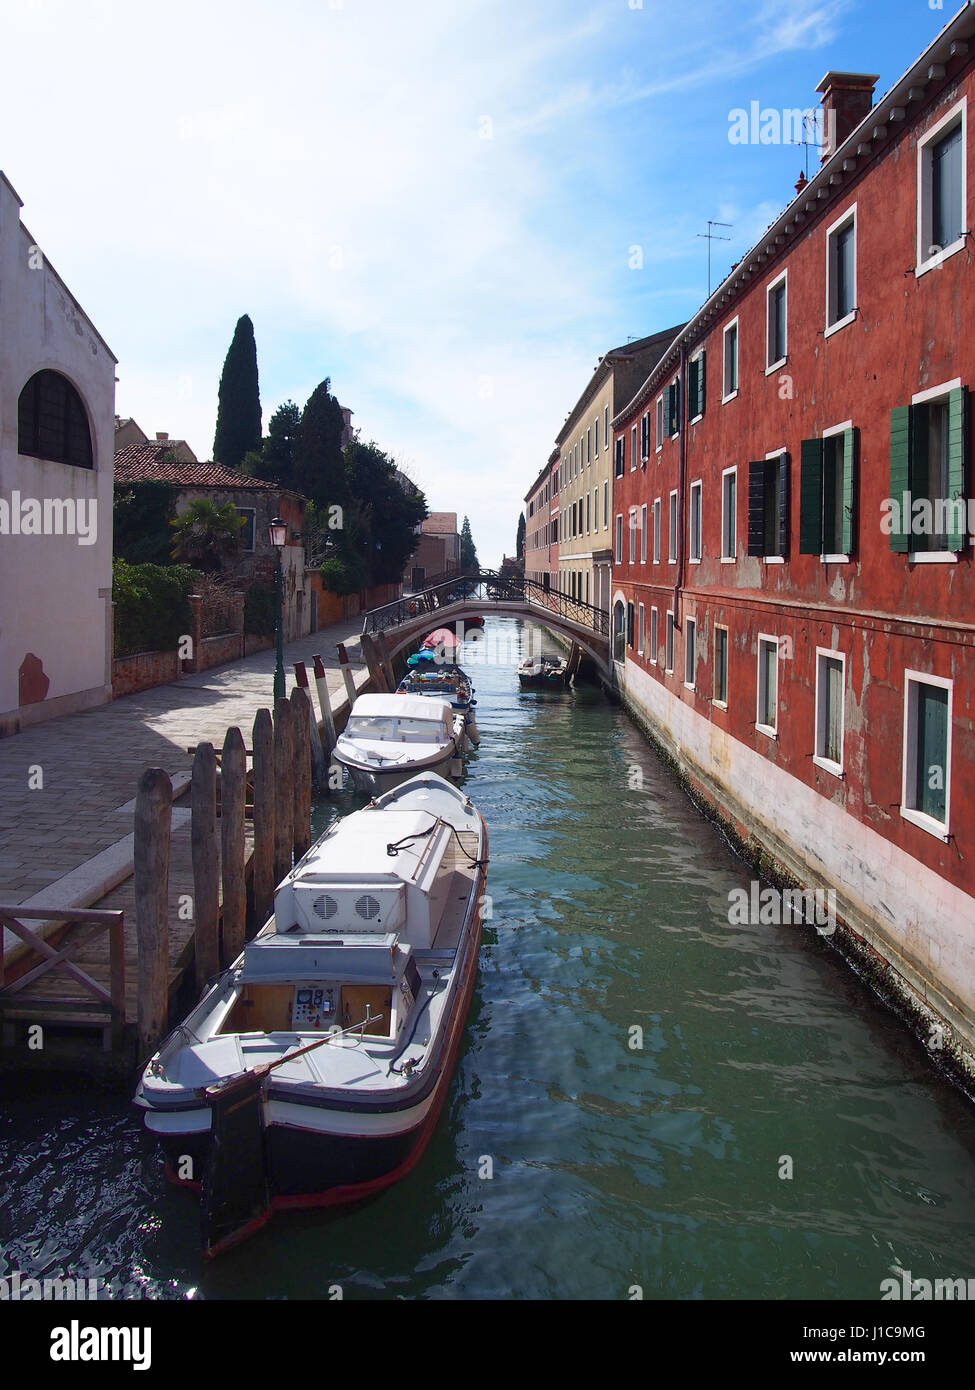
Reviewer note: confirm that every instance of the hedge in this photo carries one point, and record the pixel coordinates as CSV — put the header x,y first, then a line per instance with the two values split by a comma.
x,y
152,607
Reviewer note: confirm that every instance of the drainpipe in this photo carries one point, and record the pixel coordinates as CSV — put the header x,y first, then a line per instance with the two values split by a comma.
x,y
679,584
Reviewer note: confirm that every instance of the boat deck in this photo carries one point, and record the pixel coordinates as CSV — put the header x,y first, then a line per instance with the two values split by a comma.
x,y
456,862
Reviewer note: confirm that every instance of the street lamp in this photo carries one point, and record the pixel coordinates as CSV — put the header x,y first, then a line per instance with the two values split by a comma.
x,y
277,533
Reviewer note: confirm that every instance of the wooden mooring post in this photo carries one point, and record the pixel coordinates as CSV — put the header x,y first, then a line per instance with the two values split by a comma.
x,y
233,796
319,763
325,702
284,795
206,865
346,673
153,819
301,714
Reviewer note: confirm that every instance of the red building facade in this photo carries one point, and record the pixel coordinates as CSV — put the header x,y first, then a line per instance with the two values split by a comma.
x,y
793,587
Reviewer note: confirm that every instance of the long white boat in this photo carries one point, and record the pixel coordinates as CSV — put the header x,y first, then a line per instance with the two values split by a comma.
x,y
390,738
312,1072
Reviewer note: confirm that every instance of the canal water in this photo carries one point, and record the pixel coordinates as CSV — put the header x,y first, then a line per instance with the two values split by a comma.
x,y
571,1162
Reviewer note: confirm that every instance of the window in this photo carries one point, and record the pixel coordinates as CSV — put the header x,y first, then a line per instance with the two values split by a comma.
x,y
605,504
589,445
619,538
620,461
596,427
841,272
673,409
827,494
694,525
696,373
52,422
656,531
926,773
729,514
830,670
690,651
645,437
776,297
653,636
606,426
942,190
660,423
669,664
768,684
595,509
643,534
672,536
629,624
247,530
633,457
641,624
619,629
768,507
721,666
634,514
730,354
928,474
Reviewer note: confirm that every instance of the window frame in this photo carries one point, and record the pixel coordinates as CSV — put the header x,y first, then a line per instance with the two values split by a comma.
x,y
727,395
834,323
654,635
698,356
824,654
633,449
690,652
656,530
721,702
669,645
766,639
957,115
643,534
913,679
783,280
659,422
692,558
673,528
727,559
619,538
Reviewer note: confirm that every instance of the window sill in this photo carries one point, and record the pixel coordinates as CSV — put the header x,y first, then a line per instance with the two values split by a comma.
x,y
935,262
840,323
932,557
926,823
767,730
776,365
773,559
729,559
696,419
731,396
688,685
720,704
835,768
834,559
694,559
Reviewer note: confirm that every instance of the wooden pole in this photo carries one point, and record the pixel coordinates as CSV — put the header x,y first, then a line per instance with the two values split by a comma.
x,y
263,881
319,765
301,733
153,816
325,702
346,673
284,795
206,865
233,799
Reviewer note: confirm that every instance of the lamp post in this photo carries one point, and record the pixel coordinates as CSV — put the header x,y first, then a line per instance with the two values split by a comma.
x,y
278,535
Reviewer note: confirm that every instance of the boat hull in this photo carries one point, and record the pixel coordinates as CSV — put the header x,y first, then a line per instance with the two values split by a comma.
x,y
376,782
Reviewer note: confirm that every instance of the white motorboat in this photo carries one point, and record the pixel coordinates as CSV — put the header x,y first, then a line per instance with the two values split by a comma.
x,y
390,738
312,1072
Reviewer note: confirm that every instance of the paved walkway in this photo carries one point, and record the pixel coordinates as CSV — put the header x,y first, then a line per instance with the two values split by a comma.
x,y
89,765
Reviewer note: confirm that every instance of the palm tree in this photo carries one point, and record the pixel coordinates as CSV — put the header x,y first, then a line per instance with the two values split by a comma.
x,y
205,533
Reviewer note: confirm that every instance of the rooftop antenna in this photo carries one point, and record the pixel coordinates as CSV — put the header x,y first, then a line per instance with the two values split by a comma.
x,y
710,236
807,144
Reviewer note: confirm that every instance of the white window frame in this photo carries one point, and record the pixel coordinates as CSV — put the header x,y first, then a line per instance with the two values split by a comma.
x,y
727,395
645,436
725,558
774,559
633,449
696,358
660,423
721,627
669,644
912,679
830,434
849,218
641,629
656,530
934,557
780,279
771,730
643,534
822,655
605,504
619,538
690,652
654,636
680,406
673,522
633,517
595,508
692,559
607,436
595,426
926,262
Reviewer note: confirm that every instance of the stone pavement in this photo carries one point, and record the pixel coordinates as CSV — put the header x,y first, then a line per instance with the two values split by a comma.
x,y
86,766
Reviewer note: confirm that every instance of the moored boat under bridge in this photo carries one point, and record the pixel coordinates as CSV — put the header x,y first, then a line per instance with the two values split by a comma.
x,y
388,630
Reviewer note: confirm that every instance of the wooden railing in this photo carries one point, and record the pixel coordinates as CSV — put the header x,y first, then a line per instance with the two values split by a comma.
x,y
17,1002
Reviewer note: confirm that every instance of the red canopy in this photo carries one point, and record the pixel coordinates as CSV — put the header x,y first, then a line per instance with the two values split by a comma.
x,y
442,637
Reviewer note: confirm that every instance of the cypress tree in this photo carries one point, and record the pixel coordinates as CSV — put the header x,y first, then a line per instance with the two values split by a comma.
x,y
520,538
277,462
238,402
468,551
319,466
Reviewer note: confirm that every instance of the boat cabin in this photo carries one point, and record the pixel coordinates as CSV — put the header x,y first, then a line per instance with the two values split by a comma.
x,y
400,719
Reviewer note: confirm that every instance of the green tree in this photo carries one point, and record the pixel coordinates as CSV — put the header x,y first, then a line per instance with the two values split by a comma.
x,y
142,516
468,551
277,461
395,509
520,539
205,533
239,401
318,469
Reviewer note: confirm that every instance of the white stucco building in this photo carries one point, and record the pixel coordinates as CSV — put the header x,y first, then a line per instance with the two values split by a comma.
x,y
57,441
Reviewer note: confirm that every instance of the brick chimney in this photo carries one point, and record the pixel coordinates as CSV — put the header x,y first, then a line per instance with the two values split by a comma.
x,y
847,98
162,437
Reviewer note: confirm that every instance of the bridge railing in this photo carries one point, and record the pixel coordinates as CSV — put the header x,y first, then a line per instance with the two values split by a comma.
x,y
496,587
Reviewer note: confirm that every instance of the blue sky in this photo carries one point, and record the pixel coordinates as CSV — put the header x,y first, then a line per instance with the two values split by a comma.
x,y
432,202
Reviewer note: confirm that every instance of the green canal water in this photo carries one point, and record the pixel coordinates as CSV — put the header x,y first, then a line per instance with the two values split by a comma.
x,y
611,1166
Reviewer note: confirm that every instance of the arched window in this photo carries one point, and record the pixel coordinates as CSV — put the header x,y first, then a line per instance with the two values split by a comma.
x,y
619,631
52,422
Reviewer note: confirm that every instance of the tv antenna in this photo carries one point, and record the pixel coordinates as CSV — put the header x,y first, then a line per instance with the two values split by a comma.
x,y
710,236
807,144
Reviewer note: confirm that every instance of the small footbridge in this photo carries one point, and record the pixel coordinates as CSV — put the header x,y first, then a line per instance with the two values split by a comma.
x,y
443,599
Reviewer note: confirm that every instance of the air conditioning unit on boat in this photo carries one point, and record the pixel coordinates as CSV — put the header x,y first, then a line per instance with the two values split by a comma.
x,y
344,906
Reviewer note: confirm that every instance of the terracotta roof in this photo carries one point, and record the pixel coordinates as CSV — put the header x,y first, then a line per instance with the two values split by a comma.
x,y
143,463
441,524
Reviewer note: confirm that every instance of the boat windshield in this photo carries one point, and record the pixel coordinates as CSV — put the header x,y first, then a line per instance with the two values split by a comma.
x,y
401,729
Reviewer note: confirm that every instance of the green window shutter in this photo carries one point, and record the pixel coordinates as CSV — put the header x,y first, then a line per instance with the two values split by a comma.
x,y
900,475
692,373
811,498
783,518
702,383
958,462
756,507
851,453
